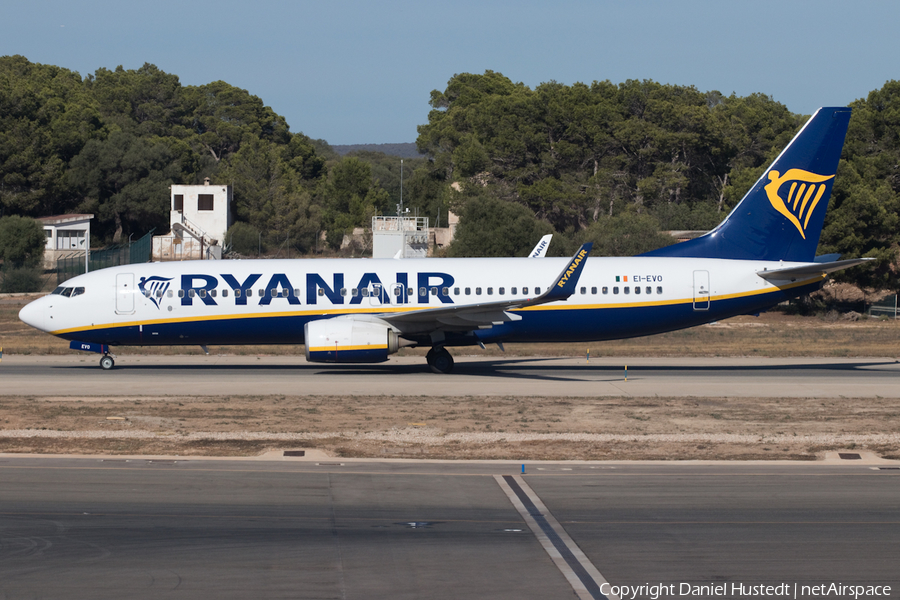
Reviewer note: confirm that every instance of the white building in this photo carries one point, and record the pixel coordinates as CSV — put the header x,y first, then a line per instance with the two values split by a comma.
x,y
67,236
402,237
199,216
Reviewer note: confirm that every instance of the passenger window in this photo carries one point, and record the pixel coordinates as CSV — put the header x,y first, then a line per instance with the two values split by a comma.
x,y
250,293
434,291
583,291
80,290
490,291
445,291
659,290
296,292
213,293
343,291
410,291
181,293
321,292
605,290
169,294
456,291
423,291
191,293
203,293
478,291
627,289
225,293
649,290
537,291
262,293
594,291
512,291
273,293
397,291
376,290
237,293
615,289
354,292
637,289
159,293
468,291
525,290
364,292
501,291
146,293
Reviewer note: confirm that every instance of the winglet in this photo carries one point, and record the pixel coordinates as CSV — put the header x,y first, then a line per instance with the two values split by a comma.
x,y
565,284
540,251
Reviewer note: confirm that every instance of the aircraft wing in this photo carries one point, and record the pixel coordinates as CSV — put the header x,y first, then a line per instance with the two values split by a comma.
x,y
486,314
812,270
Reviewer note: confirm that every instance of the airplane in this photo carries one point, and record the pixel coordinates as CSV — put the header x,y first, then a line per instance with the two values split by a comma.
x,y
364,310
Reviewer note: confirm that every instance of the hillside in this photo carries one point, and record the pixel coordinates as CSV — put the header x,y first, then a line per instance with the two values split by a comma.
x,y
407,150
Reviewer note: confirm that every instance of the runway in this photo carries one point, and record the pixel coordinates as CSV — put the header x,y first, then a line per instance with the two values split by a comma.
x,y
94,528
473,376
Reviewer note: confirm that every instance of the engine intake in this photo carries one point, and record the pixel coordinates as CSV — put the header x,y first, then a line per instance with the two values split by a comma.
x,y
350,341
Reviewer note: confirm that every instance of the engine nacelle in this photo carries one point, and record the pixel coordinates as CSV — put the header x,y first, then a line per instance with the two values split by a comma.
x,y
349,341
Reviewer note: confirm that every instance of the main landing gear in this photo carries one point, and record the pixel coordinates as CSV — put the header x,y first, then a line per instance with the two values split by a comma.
x,y
439,360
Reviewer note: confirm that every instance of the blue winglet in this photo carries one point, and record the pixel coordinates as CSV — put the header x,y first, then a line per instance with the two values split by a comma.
x,y
565,284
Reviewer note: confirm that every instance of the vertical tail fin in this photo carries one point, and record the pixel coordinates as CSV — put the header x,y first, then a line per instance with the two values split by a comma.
x,y
781,216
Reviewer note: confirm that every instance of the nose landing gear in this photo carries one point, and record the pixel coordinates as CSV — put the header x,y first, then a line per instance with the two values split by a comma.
x,y
107,362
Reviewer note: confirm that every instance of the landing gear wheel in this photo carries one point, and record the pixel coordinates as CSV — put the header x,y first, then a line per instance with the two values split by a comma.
x,y
107,363
440,361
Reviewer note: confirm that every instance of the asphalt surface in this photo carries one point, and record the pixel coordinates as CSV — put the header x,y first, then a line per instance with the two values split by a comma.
x,y
94,528
479,376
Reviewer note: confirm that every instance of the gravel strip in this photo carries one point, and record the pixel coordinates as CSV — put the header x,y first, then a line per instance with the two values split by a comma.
x,y
434,437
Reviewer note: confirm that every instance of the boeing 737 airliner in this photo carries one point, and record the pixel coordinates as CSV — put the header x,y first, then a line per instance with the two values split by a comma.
x,y
359,310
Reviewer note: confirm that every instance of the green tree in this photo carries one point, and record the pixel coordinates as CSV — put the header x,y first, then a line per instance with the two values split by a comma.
x,y
126,179
492,227
22,242
626,234
350,198
271,195
46,117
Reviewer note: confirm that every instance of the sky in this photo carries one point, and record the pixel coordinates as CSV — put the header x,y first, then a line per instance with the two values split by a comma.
x,y
358,72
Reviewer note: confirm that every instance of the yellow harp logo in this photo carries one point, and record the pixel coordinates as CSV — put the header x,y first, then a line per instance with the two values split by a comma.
x,y
804,193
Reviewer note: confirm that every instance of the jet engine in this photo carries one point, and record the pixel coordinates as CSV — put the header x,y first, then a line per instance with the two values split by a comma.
x,y
341,340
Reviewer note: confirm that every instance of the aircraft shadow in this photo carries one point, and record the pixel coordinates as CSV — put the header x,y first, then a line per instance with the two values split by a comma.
x,y
542,369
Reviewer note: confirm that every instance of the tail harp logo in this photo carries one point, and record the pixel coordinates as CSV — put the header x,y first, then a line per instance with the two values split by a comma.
x,y
154,287
803,195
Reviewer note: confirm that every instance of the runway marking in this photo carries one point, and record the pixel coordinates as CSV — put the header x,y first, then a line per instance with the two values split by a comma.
x,y
583,576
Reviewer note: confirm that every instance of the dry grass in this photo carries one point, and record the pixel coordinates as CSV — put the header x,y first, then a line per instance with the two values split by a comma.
x,y
456,428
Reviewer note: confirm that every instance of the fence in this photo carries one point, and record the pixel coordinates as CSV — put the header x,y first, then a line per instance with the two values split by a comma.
x,y
885,308
124,254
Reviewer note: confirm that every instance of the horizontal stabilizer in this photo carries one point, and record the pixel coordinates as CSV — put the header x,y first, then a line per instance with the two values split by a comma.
x,y
813,270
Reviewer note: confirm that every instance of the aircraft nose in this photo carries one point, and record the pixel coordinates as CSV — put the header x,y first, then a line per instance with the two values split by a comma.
x,y
34,314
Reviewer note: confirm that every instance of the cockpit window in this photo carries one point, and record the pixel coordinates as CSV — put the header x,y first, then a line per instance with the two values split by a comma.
x,y
68,292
